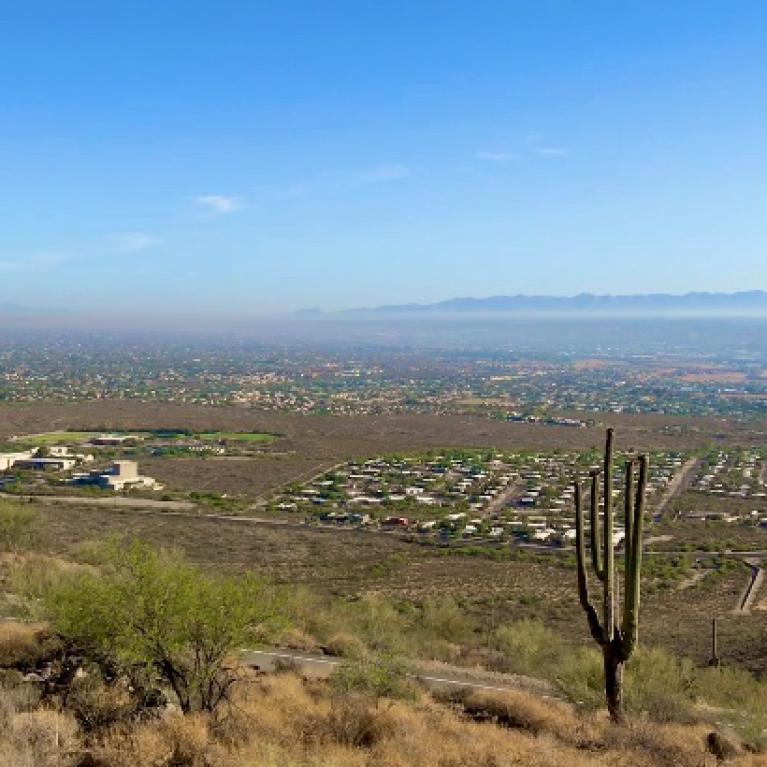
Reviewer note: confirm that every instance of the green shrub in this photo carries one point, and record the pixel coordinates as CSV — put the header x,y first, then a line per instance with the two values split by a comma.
x,y
345,646
529,647
443,619
580,676
150,609
374,677
656,684
375,621
659,685
19,527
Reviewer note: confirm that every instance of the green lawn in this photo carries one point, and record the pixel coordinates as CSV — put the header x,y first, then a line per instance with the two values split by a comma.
x,y
58,437
235,436
78,437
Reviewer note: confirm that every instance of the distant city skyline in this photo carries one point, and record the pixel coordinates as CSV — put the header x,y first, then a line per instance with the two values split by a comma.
x,y
239,160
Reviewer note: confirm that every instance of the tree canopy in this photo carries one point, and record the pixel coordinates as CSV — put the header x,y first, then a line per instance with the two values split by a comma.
x,y
143,609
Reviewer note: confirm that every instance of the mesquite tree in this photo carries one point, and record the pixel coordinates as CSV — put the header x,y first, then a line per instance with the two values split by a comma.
x,y
617,640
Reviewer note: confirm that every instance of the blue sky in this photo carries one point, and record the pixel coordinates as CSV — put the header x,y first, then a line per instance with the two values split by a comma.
x,y
247,157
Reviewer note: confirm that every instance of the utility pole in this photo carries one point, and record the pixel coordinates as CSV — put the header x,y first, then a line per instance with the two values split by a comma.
x,y
714,660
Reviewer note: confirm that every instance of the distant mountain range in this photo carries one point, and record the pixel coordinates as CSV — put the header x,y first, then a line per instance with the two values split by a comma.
x,y
13,311
752,301
6,307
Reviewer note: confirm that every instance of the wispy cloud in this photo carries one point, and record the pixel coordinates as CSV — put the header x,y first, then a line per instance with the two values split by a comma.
x,y
380,173
551,151
530,145
219,203
34,263
497,156
41,261
132,242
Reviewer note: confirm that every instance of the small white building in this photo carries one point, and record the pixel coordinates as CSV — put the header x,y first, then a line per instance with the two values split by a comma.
x,y
7,460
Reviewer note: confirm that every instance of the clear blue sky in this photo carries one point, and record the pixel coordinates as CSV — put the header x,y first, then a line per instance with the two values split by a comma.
x,y
242,157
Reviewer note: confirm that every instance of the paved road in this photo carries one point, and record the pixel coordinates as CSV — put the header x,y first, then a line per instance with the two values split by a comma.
x,y
748,596
188,510
319,666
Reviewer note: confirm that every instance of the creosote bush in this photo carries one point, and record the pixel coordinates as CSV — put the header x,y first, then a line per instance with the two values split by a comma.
x,y
374,677
20,526
528,647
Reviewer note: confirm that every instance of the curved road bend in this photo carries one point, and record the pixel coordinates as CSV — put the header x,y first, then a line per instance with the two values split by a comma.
x,y
320,667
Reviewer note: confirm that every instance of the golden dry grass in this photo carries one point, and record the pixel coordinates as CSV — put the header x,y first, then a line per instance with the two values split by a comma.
x,y
22,645
284,721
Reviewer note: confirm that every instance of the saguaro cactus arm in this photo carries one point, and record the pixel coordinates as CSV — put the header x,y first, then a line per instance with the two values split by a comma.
x,y
634,566
580,555
628,507
608,624
596,543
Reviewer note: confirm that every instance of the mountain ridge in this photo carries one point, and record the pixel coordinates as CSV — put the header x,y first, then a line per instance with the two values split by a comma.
x,y
752,300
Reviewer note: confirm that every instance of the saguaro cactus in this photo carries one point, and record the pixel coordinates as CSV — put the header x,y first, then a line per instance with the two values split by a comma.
x,y
616,639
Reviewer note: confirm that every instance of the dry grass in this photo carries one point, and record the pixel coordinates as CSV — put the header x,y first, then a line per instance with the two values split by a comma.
x,y
35,736
333,438
25,645
283,721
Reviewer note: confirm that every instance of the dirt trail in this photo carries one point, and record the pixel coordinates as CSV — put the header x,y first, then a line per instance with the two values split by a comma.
x,y
500,501
677,485
117,501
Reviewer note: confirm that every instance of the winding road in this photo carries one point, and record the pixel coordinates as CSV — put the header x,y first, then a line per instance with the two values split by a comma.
x,y
445,678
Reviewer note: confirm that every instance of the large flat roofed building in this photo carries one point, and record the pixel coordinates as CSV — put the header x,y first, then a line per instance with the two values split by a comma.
x,y
122,475
45,464
56,458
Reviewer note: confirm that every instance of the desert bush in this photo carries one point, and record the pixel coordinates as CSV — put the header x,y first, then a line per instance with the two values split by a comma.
x,y
727,686
579,675
375,620
530,648
20,526
657,685
444,651
34,575
445,620
353,721
25,646
373,677
88,552
151,609
97,705
739,699
345,646
660,686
